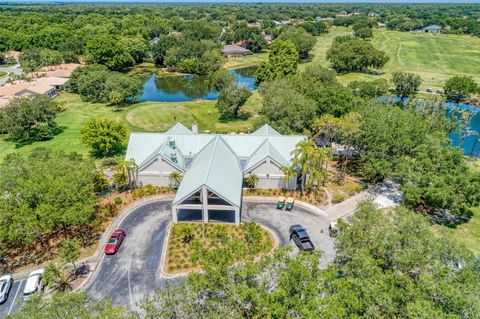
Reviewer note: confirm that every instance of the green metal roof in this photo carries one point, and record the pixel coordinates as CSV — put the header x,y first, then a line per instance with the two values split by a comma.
x,y
178,128
266,130
169,152
216,166
264,151
142,146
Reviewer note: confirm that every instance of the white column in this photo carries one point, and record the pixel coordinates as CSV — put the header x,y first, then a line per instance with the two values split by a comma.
x,y
175,214
237,216
204,196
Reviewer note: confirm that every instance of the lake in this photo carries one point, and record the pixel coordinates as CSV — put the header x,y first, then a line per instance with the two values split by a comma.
x,y
469,146
194,87
189,87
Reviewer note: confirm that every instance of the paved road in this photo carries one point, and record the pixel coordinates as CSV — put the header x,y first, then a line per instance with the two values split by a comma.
x,y
280,221
135,270
11,69
15,297
131,273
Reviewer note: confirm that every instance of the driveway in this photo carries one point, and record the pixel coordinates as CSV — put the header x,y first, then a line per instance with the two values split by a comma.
x,y
11,69
15,298
135,270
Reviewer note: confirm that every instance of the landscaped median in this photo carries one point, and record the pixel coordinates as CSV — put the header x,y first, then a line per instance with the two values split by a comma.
x,y
191,245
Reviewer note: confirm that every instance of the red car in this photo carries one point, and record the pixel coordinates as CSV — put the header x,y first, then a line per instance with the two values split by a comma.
x,y
114,242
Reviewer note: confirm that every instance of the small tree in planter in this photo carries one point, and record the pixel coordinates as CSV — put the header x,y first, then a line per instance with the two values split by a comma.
x,y
69,252
252,181
186,233
55,278
175,178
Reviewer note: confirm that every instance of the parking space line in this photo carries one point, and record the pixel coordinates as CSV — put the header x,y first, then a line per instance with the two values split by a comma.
x,y
15,298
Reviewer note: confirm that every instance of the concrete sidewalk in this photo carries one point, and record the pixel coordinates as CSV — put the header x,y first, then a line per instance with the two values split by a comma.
x,y
347,207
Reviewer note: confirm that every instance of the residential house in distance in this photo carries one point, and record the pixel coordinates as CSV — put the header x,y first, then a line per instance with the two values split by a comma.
x,y
254,25
213,166
12,56
283,23
63,70
154,41
268,38
233,50
49,81
432,29
327,19
48,86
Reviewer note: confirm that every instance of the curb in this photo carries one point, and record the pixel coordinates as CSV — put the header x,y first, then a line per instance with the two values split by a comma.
x,y
273,200
163,274
98,257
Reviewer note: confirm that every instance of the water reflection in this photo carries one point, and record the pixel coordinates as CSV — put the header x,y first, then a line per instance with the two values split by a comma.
x,y
189,87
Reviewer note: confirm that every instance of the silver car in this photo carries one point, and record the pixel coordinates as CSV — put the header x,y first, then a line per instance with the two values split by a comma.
x,y
6,283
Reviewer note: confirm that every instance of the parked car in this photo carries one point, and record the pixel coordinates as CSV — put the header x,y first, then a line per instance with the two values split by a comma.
x,y
114,242
300,238
6,283
34,283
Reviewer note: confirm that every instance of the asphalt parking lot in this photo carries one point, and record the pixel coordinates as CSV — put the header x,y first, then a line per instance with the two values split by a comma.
x,y
15,297
125,278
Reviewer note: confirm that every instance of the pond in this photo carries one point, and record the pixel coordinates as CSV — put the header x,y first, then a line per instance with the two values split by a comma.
x,y
189,87
470,145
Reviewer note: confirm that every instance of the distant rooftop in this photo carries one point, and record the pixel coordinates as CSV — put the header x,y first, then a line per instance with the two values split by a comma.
x,y
234,49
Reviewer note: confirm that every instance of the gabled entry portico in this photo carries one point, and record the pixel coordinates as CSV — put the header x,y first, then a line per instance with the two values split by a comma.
x,y
212,186
209,205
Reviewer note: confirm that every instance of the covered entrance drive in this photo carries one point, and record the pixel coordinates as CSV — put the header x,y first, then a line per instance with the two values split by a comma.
x,y
211,189
207,206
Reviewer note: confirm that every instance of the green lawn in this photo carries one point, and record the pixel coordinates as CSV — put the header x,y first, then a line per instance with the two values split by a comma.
x,y
434,57
467,234
156,116
70,121
248,60
2,74
145,116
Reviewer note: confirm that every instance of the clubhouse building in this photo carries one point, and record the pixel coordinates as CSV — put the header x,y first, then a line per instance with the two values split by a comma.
x,y
213,167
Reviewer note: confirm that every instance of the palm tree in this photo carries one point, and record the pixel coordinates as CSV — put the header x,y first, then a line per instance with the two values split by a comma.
x,y
252,180
55,278
301,155
126,175
318,173
175,178
288,172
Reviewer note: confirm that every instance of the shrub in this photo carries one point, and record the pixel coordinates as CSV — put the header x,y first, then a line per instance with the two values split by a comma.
x,y
100,182
104,136
109,162
29,118
143,191
118,200
186,233
338,198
